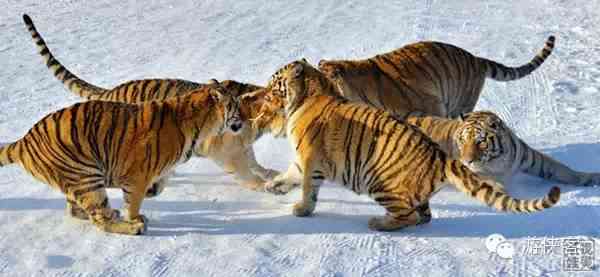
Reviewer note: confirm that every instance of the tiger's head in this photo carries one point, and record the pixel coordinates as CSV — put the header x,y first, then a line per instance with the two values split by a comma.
x,y
228,106
479,138
263,111
295,81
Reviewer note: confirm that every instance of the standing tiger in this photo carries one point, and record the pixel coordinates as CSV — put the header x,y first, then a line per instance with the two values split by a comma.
x,y
483,142
87,147
430,77
233,153
370,151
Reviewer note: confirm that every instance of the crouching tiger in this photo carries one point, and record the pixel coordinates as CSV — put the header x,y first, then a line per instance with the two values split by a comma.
x,y
369,151
87,147
485,144
233,153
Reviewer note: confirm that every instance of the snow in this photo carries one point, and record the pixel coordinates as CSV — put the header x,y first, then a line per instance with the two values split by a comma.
x,y
205,225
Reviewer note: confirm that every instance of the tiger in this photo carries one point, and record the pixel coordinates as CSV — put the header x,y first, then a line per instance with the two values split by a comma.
x,y
423,78
368,150
431,77
85,148
487,146
233,153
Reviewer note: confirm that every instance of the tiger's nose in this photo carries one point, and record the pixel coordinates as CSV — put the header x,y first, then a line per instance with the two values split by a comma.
x,y
236,127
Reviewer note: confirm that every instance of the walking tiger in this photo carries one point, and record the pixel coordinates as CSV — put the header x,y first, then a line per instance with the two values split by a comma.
x,y
232,153
370,151
431,77
88,147
485,144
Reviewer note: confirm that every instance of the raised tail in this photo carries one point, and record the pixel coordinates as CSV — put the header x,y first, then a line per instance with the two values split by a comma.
x,y
69,80
7,155
492,193
500,72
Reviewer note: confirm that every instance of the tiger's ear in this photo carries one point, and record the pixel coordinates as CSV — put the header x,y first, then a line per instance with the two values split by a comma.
x,y
213,82
461,117
297,70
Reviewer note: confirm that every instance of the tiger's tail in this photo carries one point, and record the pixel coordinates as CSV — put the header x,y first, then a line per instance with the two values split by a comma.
x,y
7,153
69,80
500,72
492,193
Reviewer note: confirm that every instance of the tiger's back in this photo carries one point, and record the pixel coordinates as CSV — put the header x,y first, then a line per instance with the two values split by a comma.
x,y
431,77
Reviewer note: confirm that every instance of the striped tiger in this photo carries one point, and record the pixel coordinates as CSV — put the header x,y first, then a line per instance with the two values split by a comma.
x,y
233,153
430,77
90,146
485,144
370,151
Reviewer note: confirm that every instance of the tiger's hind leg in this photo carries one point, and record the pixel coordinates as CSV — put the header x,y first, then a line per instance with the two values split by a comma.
x,y
399,214
157,187
311,184
424,213
95,204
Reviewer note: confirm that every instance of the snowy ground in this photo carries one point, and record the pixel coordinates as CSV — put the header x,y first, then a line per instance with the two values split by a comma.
x,y
204,225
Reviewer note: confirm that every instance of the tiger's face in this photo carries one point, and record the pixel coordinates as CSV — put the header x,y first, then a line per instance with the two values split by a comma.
x,y
286,86
263,110
479,138
229,107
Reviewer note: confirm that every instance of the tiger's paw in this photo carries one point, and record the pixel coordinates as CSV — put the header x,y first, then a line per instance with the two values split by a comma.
x,y
126,227
302,210
424,219
386,223
424,215
280,186
139,225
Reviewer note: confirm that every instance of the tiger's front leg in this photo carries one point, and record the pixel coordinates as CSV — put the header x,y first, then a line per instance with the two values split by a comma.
x,y
264,173
246,170
133,197
254,167
285,182
311,184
